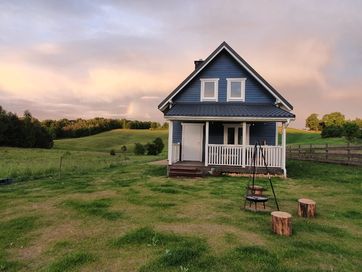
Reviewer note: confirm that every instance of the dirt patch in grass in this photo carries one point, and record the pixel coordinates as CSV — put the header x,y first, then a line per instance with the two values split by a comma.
x,y
71,261
99,208
214,234
48,236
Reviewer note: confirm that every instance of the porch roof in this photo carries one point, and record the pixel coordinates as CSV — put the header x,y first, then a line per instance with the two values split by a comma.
x,y
228,109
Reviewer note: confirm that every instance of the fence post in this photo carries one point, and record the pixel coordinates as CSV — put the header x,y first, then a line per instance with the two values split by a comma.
x,y
310,151
348,153
299,151
326,152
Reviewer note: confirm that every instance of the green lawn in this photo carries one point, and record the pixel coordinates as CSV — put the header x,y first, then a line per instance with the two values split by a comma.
x,y
114,214
113,139
303,137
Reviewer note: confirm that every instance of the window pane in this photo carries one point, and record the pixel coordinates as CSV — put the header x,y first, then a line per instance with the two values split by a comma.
x,y
235,89
231,135
209,89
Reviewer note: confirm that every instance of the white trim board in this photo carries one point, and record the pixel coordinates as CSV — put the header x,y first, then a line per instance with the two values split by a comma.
x,y
242,82
241,63
216,89
221,118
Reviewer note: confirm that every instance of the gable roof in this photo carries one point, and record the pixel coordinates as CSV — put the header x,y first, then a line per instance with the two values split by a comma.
x,y
241,61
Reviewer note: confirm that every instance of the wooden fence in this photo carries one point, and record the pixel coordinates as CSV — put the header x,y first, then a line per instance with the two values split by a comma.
x,y
348,154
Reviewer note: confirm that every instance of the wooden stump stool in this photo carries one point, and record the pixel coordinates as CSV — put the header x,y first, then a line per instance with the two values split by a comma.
x,y
306,208
256,190
282,223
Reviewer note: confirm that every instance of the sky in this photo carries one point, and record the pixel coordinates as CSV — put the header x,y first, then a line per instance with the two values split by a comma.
x,y
119,59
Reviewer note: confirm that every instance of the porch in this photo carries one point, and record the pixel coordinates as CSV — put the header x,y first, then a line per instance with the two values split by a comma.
x,y
229,149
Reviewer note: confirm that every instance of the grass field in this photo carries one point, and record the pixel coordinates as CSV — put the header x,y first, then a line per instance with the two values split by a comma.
x,y
108,213
302,137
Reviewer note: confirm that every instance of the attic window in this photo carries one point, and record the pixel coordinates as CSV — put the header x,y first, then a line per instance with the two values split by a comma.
x,y
236,89
209,89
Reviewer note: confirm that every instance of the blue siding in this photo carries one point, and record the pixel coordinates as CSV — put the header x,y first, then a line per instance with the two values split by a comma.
x,y
258,132
222,67
177,132
262,132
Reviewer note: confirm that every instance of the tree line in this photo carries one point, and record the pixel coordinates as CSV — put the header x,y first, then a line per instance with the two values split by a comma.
x,y
335,125
27,131
65,128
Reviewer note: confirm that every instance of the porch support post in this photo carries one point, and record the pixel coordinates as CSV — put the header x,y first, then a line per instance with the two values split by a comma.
x,y
170,136
207,143
276,134
244,146
284,149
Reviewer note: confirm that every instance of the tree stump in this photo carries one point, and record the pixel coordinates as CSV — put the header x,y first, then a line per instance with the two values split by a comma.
x,y
256,190
307,208
282,223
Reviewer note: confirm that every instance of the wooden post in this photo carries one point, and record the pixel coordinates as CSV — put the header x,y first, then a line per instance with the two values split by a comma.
x,y
282,223
284,143
310,151
307,208
243,155
326,152
348,153
170,132
299,151
207,143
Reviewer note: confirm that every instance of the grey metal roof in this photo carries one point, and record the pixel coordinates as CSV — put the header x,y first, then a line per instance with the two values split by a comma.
x,y
204,64
228,109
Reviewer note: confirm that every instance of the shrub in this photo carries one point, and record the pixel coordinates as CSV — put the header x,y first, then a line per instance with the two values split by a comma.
x,y
151,149
351,131
123,149
139,149
112,152
155,147
332,131
159,144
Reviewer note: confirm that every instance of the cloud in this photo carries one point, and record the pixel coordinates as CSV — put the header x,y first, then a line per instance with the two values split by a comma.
x,y
120,58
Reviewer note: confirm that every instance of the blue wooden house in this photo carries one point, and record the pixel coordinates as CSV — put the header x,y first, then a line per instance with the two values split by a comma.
x,y
219,112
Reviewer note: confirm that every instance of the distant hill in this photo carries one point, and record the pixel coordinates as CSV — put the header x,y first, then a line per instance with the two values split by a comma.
x,y
299,136
113,139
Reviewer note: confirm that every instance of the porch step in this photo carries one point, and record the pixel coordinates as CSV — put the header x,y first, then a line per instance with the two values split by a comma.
x,y
185,171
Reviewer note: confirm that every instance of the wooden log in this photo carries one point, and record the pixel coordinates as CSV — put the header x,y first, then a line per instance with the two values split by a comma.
x,y
282,223
307,208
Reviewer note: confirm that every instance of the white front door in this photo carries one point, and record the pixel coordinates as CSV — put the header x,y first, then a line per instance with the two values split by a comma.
x,y
192,136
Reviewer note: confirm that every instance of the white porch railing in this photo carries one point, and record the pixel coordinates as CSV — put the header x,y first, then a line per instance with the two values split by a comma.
x,y
176,152
233,155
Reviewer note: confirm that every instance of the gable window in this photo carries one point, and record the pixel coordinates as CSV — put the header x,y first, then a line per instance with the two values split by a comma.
x,y
209,89
236,89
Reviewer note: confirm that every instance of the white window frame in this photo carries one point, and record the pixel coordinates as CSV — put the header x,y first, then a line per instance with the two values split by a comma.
x,y
236,131
242,87
216,88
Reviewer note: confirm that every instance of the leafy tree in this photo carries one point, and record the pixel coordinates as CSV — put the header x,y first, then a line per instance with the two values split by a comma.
x,y
358,122
351,131
334,118
313,122
332,131
155,125
23,132
165,125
